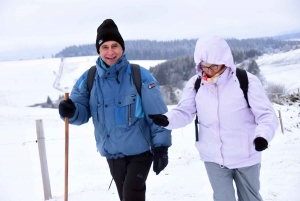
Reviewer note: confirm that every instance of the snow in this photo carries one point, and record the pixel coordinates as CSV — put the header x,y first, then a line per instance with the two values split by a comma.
x,y
282,68
24,83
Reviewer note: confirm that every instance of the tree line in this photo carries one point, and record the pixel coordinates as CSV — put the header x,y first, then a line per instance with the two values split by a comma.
x,y
165,50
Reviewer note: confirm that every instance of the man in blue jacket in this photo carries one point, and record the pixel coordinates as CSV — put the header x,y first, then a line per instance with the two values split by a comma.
x,y
123,131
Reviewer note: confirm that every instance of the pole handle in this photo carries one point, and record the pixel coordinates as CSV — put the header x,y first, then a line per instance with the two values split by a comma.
x,y
66,96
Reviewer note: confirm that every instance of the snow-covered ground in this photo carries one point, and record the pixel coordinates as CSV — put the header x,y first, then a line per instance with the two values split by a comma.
x,y
24,83
282,68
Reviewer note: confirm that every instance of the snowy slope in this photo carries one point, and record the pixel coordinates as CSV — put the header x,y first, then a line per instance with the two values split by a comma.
x,y
282,68
27,81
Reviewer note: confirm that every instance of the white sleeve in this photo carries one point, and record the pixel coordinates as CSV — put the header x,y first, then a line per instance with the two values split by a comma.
x,y
184,113
262,108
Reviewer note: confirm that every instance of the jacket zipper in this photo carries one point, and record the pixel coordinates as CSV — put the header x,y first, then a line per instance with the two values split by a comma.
x,y
216,87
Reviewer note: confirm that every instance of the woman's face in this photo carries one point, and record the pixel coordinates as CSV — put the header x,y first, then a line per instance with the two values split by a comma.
x,y
211,69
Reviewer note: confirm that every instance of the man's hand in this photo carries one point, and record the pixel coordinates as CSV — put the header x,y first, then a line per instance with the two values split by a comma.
x,y
66,108
160,159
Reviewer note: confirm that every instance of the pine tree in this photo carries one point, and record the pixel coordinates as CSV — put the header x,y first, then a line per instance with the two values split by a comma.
x,y
253,67
49,101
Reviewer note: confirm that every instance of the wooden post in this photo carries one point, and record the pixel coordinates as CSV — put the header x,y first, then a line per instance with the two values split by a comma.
x,y
43,159
280,121
66,151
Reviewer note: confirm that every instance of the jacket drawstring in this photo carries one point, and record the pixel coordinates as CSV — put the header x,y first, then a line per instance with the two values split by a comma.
x,y
117,77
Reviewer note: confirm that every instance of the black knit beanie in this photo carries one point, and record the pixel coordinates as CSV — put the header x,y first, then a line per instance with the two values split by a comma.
x,y
108,31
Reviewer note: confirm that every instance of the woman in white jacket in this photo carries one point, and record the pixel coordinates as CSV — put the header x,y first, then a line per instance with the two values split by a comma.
x,y
231,135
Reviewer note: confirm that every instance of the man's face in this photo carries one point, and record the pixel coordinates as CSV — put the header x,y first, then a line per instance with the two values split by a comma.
x,y
110,52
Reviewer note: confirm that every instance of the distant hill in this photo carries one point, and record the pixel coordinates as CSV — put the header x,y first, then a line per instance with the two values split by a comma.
x,y
165,50
288,36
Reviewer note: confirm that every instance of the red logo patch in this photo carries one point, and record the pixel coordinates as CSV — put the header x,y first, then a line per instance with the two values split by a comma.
x,y
150,86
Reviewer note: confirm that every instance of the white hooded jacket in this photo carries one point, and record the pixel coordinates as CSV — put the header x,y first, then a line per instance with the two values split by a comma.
x,y
227,127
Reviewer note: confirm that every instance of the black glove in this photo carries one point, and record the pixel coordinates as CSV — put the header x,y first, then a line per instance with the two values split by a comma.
x,y
159,119
160,159
66,108
260,143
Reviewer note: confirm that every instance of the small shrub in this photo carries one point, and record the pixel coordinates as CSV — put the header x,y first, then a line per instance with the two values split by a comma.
x,y
275,91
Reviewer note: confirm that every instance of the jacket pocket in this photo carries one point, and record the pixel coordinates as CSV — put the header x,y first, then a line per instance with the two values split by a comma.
x,y
236,147
209,143
125,110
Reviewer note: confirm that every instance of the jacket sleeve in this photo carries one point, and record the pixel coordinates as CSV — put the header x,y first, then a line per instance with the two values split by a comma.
x,y
153,103
80,97
262,109
184,113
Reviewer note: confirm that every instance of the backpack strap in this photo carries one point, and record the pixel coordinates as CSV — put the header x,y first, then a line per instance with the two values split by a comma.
x,y
196,87
197,84
244,83
90,77
136,76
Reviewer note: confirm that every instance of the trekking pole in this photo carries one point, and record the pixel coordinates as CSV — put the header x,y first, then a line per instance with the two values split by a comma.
x,y
66,151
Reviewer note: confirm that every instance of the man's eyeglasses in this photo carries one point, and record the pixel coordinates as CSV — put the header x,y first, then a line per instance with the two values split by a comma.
x,y
206,68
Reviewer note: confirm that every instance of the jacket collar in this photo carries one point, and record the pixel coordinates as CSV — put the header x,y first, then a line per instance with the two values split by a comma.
x,y
223,77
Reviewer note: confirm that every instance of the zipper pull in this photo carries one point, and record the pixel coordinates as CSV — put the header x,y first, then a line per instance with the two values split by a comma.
x,y
129,123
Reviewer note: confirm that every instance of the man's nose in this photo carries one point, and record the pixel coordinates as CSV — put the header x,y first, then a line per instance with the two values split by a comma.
x,y
110,50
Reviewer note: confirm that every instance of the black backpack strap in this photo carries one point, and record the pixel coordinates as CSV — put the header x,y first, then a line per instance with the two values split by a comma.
x,y
244,83
197,84
90,77
196,87
136,76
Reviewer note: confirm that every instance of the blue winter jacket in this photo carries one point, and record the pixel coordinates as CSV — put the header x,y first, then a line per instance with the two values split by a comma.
x,y
120,115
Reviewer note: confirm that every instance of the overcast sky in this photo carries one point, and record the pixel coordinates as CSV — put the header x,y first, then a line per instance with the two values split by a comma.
x,y
32,29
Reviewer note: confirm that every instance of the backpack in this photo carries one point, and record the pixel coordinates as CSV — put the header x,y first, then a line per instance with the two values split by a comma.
x,y
243,80
136,76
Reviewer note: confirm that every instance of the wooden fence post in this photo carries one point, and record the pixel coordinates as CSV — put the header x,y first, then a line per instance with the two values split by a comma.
x,y
280,119
43,159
